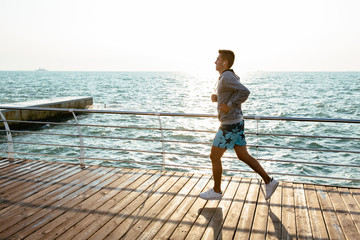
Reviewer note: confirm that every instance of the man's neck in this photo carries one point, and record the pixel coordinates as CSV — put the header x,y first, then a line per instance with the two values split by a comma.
x,y
226,70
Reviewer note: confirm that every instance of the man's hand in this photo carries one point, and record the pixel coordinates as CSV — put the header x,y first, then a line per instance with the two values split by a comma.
x,y
224,108
214,98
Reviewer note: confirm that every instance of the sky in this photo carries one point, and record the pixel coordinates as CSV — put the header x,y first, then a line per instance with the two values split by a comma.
x,y
179,35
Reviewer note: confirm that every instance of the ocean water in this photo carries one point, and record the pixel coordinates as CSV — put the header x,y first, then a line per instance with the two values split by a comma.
x,y
277,94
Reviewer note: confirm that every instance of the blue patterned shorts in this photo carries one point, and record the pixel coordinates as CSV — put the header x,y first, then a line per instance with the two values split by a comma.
x,y
229,135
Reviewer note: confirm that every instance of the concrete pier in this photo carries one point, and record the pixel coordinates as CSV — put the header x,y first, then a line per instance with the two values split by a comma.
x,y
29,115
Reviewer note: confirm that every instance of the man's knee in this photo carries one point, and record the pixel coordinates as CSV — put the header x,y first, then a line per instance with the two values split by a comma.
x,y
215,158
216,163
216,154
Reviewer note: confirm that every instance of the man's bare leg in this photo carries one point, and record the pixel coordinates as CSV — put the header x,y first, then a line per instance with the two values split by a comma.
x,y
215,156
244,156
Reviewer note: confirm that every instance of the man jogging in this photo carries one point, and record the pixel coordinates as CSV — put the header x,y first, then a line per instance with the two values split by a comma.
x,y
230,95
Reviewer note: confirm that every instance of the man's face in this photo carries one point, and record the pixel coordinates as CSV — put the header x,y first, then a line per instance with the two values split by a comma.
x,y
220,63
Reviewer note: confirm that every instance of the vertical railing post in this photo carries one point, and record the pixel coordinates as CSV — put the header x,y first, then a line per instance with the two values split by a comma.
x,y
257,137
82,153
257,118
9,138
162,143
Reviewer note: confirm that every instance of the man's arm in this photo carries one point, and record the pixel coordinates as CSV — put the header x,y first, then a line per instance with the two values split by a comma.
x,y
224,108
241,93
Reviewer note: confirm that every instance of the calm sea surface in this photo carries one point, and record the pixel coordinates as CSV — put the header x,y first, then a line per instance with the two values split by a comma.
x,y
278,94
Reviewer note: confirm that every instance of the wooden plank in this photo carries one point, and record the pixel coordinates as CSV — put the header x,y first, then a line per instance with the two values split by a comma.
x,y
206,214
259,227
24,166
43,182
6,164
50,216
232,218
332,224
20,218
356,195
14,165
303,227
171,224
352,207
316,217
88,203
29,181
148,210
214,228
274,220
20,171
146,229
288,212
244,225
348,227
94,224
24,190
38,195
9,183
190,217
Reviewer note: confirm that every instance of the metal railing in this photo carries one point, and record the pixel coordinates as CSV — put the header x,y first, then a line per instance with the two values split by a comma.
x,y
11,140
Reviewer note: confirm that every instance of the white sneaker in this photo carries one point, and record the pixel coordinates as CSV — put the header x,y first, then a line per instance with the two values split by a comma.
x,y
270,188
211,195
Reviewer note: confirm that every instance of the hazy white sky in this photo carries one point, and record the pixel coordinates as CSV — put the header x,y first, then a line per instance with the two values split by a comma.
x,y
180,35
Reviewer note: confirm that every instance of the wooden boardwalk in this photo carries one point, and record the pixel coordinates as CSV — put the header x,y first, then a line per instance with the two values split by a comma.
x,y
43,200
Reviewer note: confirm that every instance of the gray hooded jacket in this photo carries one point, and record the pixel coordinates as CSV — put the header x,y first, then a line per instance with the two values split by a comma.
x,y
233,93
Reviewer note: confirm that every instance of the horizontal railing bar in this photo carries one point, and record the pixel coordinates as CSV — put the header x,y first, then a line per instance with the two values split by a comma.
x,y
303,119
231,170
171,129
89,147
186,166
312,176
304,136
185,154
307,163
181,114
306,149
41,133
81,125
43,155
168,129
109,112
174,141
110,126
101,137
39,122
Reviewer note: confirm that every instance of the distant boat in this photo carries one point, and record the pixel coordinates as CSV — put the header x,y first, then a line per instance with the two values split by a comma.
x,y
41,70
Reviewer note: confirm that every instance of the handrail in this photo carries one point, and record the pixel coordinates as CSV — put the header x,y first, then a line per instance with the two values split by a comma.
x,y
182,114
164,129
190,142
162,139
